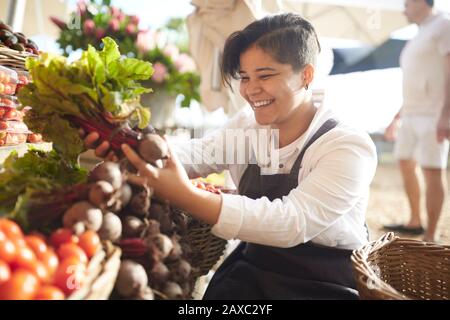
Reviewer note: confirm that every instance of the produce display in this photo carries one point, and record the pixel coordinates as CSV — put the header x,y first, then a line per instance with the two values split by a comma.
x,y
8,81
99,92
48,192
105,201
33,267
16,40
12,129
23,78
25,180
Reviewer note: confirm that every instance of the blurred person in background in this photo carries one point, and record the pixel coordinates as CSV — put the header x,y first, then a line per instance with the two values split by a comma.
x,y
421,127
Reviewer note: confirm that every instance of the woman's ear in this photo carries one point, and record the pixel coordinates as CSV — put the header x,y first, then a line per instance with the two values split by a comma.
x,y
308,75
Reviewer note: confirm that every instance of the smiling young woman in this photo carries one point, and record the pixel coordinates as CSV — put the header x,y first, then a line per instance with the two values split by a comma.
x,y
297,224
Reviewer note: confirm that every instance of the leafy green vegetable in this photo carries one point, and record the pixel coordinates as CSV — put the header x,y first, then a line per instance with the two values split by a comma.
x,y
99,92
35,172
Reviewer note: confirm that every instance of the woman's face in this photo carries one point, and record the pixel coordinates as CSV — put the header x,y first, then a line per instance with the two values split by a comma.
x,y
273,90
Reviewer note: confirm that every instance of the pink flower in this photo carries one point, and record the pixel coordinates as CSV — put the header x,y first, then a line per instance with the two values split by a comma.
x,y
159,72
134,20
81,7
171,51
145,41
121,17
99,33
184,63
115,12
114,24
88,26
130,29
59,23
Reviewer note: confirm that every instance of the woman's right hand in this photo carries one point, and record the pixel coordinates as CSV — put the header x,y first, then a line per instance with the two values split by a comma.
x,y
102,148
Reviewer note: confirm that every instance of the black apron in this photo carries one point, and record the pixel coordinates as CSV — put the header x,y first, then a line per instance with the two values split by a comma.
x,y
306,271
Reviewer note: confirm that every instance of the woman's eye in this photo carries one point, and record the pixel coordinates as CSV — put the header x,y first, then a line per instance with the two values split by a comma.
x,y
244,78
266,76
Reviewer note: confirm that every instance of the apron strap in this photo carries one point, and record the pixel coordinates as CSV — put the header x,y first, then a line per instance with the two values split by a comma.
x,y
326,126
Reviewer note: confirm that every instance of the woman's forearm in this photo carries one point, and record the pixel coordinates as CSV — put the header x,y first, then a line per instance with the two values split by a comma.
x,y
201,204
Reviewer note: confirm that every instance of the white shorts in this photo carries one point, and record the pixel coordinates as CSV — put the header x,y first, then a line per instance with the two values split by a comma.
x,y
417,141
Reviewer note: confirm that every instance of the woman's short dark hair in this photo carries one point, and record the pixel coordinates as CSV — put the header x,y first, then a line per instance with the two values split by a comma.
x,y
288,38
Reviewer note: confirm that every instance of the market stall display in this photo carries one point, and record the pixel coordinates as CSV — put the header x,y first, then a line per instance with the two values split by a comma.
x,y
164,251
14,49
16,40
35,267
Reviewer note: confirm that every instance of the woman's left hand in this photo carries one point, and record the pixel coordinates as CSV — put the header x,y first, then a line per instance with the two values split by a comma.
x,y
169,183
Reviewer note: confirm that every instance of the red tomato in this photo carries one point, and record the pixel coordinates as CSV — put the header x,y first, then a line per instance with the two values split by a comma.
x,y
7,102
5,272
39,235
10,228
67,250
8,89
50,261
2,236
22,285
40,271
48,292
24,259
61,236
8,250
11,114
23,80
90,243
36,244
19,242
70,275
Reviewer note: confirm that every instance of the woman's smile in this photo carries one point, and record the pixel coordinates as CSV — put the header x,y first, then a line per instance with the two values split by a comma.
x,y
261,103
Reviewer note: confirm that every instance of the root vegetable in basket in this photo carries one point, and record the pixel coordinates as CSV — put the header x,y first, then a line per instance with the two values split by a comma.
x,y
101,193
83,216
147,294
125,194
153,148
99,92
132,227
109,172
159,274
140,202
132,279
111,228
172,290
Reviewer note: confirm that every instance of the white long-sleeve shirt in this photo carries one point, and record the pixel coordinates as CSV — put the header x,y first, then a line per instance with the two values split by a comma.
x,y
328,206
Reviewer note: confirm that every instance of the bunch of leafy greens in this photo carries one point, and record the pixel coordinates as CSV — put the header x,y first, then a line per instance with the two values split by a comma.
x,y
35,173
99,92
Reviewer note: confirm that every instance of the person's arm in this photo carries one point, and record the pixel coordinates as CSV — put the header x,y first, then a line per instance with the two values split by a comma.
x,y
443,126
333,188
172,183
198,155
390,133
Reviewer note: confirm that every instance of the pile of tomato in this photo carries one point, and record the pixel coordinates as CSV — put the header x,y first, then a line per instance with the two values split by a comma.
x,y
33,267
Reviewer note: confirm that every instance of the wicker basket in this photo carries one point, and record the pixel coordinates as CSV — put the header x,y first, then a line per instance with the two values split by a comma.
x,y
102,273
402,269
13,58
207,248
